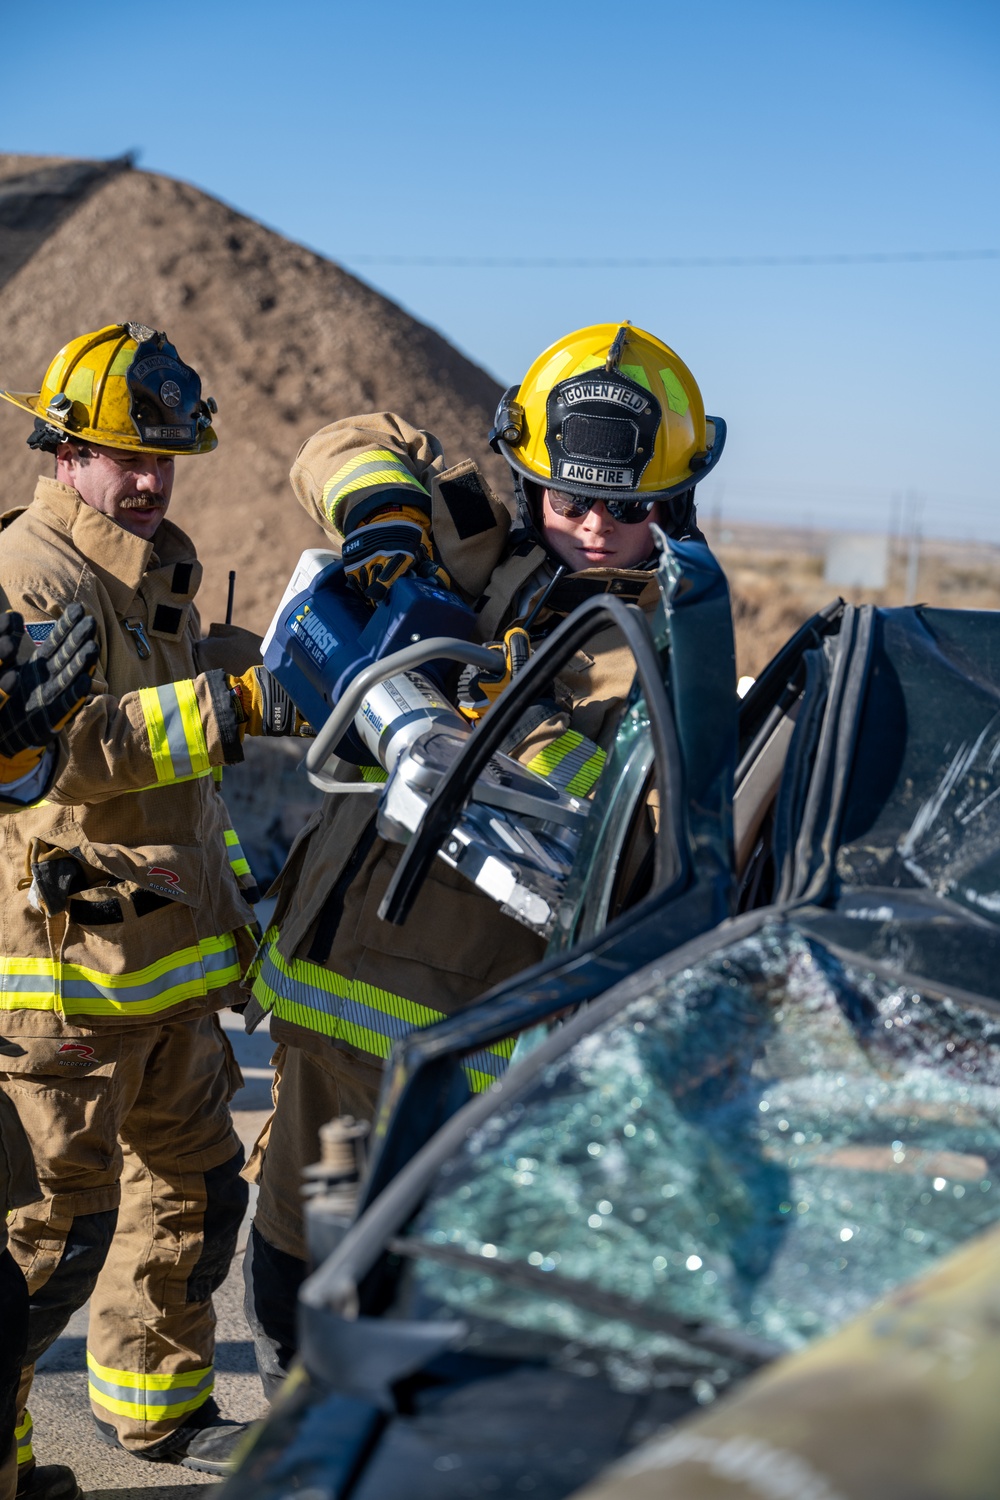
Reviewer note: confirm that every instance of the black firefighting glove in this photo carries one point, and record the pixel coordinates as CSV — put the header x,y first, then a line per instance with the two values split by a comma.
x,y
479,690
40,696
386,545
263,707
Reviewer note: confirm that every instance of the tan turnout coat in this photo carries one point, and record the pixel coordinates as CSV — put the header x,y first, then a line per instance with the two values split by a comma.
x,y
334,974
155,926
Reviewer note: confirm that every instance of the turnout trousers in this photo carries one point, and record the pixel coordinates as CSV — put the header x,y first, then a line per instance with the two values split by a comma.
x,y
142,1201
309,1089
13,1338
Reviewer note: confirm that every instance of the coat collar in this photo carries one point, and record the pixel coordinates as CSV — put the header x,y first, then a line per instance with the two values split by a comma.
x,y
119,559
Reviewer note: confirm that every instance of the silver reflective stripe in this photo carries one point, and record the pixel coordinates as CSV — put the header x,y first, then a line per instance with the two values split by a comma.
x,y
87,989
572,762
490,1063
173,728
373,1018
140,1395
374,466
354,1016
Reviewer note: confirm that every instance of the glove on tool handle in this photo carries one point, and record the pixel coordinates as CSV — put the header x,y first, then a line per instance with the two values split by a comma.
x,y
480,690
386,545
263,707
39,697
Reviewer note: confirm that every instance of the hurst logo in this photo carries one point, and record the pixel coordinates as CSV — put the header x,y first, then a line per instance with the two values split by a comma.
x,y
596,474
316,639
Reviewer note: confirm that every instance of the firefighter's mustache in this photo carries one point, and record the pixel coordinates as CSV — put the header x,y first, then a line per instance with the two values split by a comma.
x,y
142,502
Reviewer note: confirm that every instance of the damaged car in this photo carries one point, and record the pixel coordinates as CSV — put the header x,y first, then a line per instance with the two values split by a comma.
x,y
754,1084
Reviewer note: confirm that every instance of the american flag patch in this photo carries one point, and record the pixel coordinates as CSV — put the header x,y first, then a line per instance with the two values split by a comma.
x,y
42,630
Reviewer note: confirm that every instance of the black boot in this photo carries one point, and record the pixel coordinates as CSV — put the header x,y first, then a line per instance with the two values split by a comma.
x,y
47,1482
214,1449
205,1441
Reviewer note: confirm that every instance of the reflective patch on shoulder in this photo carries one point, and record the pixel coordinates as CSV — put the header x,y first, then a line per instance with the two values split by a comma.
x,y
42,630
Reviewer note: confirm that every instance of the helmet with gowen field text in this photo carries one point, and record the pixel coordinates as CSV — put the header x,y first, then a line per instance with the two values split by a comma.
x,y
608,412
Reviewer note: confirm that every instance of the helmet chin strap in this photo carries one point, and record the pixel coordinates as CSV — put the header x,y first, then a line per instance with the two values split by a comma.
x,y
528,505
684,521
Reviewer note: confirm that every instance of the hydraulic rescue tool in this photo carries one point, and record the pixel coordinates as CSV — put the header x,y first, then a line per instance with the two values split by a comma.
x,y
374,683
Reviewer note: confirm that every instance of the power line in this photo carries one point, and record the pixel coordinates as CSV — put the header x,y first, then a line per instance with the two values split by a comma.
x,y
672,262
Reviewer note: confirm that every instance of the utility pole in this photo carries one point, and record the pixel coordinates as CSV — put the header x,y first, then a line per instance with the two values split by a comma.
x,y
717,499
915,503
895,532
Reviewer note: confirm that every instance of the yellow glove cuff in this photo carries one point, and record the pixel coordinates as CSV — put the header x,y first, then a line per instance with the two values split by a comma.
x,y
13,767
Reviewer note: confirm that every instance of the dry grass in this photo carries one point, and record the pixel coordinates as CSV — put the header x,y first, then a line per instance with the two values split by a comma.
x,y
777,582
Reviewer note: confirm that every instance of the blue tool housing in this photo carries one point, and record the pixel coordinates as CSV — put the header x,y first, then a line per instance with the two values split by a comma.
x,y
328,634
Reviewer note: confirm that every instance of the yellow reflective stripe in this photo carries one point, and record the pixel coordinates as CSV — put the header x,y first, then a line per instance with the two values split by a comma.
x,y
73,989
22,1434
548,758
395,476
149,702
581,784
480,1079
194,732
238,860
374,773
178,1381
148,1398
321,1000
571,762
329,982
216,774
147,1413
177,741
373,467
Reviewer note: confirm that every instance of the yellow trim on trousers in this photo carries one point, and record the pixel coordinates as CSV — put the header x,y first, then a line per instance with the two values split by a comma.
x,y
148,1398
22,1435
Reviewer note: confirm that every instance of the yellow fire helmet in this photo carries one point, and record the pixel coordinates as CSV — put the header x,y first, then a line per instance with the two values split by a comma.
x,y
124,386
609,411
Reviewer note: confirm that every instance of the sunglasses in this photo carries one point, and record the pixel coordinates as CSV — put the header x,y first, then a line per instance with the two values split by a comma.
x,y
575,507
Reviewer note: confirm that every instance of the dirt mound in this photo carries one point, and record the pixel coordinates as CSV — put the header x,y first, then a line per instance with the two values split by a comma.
x,y
37,195
283,339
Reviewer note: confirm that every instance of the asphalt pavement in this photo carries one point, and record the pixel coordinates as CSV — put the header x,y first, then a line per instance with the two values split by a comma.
x,y
64,1431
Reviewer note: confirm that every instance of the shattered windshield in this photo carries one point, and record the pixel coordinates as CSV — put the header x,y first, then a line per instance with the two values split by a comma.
x,y
923,803
753,1150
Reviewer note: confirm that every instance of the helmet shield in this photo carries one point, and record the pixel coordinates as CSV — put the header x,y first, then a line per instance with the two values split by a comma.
x,y
164,396
601,429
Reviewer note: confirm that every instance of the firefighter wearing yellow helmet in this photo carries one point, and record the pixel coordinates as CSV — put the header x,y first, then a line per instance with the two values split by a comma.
x,y
124,386
605,435
609,411
125,903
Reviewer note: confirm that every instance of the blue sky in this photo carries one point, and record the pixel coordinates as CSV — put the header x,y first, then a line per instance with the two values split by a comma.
x,y
613,131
